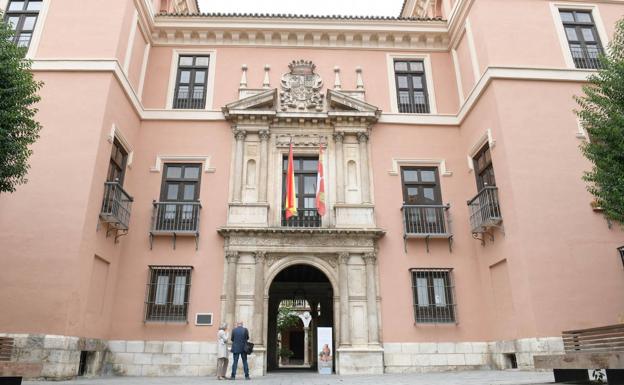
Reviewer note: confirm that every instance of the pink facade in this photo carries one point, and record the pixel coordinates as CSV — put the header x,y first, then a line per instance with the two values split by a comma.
x,y
495,73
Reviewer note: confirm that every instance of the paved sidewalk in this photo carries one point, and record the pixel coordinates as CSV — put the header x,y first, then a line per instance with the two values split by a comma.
x,y
306,378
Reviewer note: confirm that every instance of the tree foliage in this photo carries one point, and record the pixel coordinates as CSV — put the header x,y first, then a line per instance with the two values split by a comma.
x,y
602,115
18,127
286,318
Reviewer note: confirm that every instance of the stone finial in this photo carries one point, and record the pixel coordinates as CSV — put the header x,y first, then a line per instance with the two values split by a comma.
x,y
243,81
359,83
337,83
266,82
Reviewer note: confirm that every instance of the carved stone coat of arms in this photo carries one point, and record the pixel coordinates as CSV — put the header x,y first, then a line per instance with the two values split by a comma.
x,y
301,87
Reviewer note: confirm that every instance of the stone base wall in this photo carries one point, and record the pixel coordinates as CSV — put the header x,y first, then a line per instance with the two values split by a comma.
x,y
444,356
56,357
172,358
53,357
356,361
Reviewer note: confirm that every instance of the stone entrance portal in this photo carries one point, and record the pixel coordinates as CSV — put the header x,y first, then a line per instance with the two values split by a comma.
x,y
265,252
304,294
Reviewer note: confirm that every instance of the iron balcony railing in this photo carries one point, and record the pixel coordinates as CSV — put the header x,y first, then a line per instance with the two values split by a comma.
x,y
304,218
175,218
418,106
116,206
485,209
424,221
586,57
194,101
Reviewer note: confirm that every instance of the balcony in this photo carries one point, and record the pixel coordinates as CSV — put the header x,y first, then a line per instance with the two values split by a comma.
x,y
175,219
304,218
116,207
427,222
485,210
188,101
586,56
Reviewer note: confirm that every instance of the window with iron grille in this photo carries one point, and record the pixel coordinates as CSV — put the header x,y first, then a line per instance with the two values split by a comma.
x,y
582,36
306,175
411,86
21,16
434,295
484,170
168,292
191,82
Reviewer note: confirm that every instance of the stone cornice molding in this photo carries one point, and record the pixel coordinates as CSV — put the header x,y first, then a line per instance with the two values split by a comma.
x,y
369,233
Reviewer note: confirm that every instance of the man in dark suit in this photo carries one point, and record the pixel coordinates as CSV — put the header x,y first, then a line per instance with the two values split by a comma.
x,y
240,336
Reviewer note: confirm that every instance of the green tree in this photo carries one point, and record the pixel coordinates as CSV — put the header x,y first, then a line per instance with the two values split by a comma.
x,y
602,115
18,95
286,318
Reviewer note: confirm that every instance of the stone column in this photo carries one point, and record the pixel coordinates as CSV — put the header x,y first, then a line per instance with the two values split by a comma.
x,y
371,298
238,164
340,190
345,327
364,171
258,320
264,161
230,294
306,348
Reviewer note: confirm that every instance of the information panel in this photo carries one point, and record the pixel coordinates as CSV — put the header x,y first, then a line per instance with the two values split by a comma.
x,y
325,352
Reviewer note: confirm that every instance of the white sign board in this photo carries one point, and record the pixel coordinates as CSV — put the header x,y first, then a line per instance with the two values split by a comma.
x,y
325,351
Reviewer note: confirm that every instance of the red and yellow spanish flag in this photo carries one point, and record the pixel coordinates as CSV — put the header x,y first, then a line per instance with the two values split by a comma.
x,y
291,198
320,185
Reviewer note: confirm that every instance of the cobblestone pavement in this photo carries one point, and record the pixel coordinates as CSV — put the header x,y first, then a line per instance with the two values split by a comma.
x,y
307,378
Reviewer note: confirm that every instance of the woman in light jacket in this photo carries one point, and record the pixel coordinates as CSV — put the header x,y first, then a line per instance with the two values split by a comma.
x,y
222,352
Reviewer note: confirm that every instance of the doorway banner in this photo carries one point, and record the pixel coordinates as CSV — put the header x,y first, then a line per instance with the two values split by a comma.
x,y
325,353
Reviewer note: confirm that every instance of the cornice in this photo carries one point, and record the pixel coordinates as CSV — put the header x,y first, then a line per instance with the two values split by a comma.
x,y
322,33
298,231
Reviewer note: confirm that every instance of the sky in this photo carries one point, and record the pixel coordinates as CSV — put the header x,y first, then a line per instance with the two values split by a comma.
x,y
313,7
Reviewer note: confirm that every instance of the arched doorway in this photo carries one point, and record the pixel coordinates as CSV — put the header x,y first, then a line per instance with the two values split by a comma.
x,y
294,291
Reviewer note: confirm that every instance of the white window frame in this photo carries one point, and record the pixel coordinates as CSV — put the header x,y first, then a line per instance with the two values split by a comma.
x,y
426,58
485,138
36,38
115,133
175,59
563,41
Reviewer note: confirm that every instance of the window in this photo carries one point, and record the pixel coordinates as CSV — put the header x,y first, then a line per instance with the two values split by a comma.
x,y
582,36
191,82
117,164
434,295
22,16
168,292
411,86
421,186
423,211
306,170
484,171
178,209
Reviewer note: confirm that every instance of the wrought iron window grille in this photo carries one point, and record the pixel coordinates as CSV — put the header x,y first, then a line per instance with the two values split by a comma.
x,y
434,295
167,294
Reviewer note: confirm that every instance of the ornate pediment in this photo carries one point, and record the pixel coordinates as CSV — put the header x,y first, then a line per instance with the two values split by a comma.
x,y
263,102
340,101
301,87
300,100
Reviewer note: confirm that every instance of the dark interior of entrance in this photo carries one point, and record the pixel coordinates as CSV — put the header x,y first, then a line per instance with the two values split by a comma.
x,y
299,289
